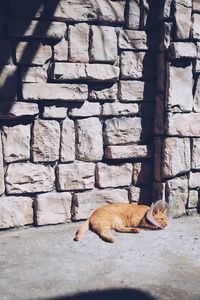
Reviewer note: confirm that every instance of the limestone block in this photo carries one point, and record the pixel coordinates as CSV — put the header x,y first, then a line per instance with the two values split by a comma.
x,y
54,112
182,50
196,5
2,186
87,109
197,96
60,50
196,153
32,53
8,83
20,109
132,40
177,195
195,26
179,89
75,176
103,44
143,195
89,139
45,140
67,146
142,173
34,74
183,11
113,176
120,109
83,204
165,9
176,156
134,14
36,29
193,199
184,125
146,18
49,91
102,72
15,211
5,51
194,180
137,65
16,143
104,93
52,208
29,178
134,90
130,151
197,66
78,42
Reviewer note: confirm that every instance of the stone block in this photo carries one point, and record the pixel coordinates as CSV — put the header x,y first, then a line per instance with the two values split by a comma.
x,y
176,156
15,211
196,5
187,125
29,178
196,153
165,35
67,146
165,9
5,51
197,96
45,140
104,93
78,42
84,204
193,199
32,53
183,11
120,109
103,44
128,151
194,180
197,66
20,109
113,176
177,195
132,40
50,91
195,26
16,143
142,173
179,89
137,65
60,50
54,112
182,50
134,14
143,195
36,29
133,90
75,176
34,74
89,139
2,185
52,208
8,83
87,109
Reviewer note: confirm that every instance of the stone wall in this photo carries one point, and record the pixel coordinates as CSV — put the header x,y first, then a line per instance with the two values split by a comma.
x,y
98,104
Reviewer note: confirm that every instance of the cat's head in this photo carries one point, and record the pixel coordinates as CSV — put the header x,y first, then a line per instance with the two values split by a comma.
x,y
157,215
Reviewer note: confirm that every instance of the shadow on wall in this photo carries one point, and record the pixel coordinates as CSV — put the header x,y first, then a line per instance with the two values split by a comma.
x,y
115,294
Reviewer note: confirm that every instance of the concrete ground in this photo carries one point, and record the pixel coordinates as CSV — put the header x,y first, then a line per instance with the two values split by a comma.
x,y
45,263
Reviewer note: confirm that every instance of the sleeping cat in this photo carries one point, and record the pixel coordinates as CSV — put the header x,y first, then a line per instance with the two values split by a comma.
x,y
124,217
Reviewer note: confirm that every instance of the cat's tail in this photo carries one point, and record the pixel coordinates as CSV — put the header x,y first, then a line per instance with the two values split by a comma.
x,y
84,227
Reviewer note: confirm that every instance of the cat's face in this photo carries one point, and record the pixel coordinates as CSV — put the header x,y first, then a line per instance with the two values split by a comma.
x,y
161,218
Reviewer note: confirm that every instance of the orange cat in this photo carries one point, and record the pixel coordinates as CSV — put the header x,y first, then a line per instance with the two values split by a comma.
x,y
124,217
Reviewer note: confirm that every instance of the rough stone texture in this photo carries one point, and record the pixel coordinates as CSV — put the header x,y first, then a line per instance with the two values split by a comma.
x,y
101,94
120,109
87,109
16,143
2,185
183,11
36,29
124,152
89,139
181,50
46,140
113,176
137,65
195,26
142,195
134,14
196,5
194,180
184,125
29,178
48,91
79,42
67,146
132,40
165,37
177,195
142,173
193,199
60,50
20,109
176,156
15,211
5,51
197,66
133,90
54,112
179,89
165,9
75,176
196,153
103,44
82,208
34,74
8,83
197,97
52,208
